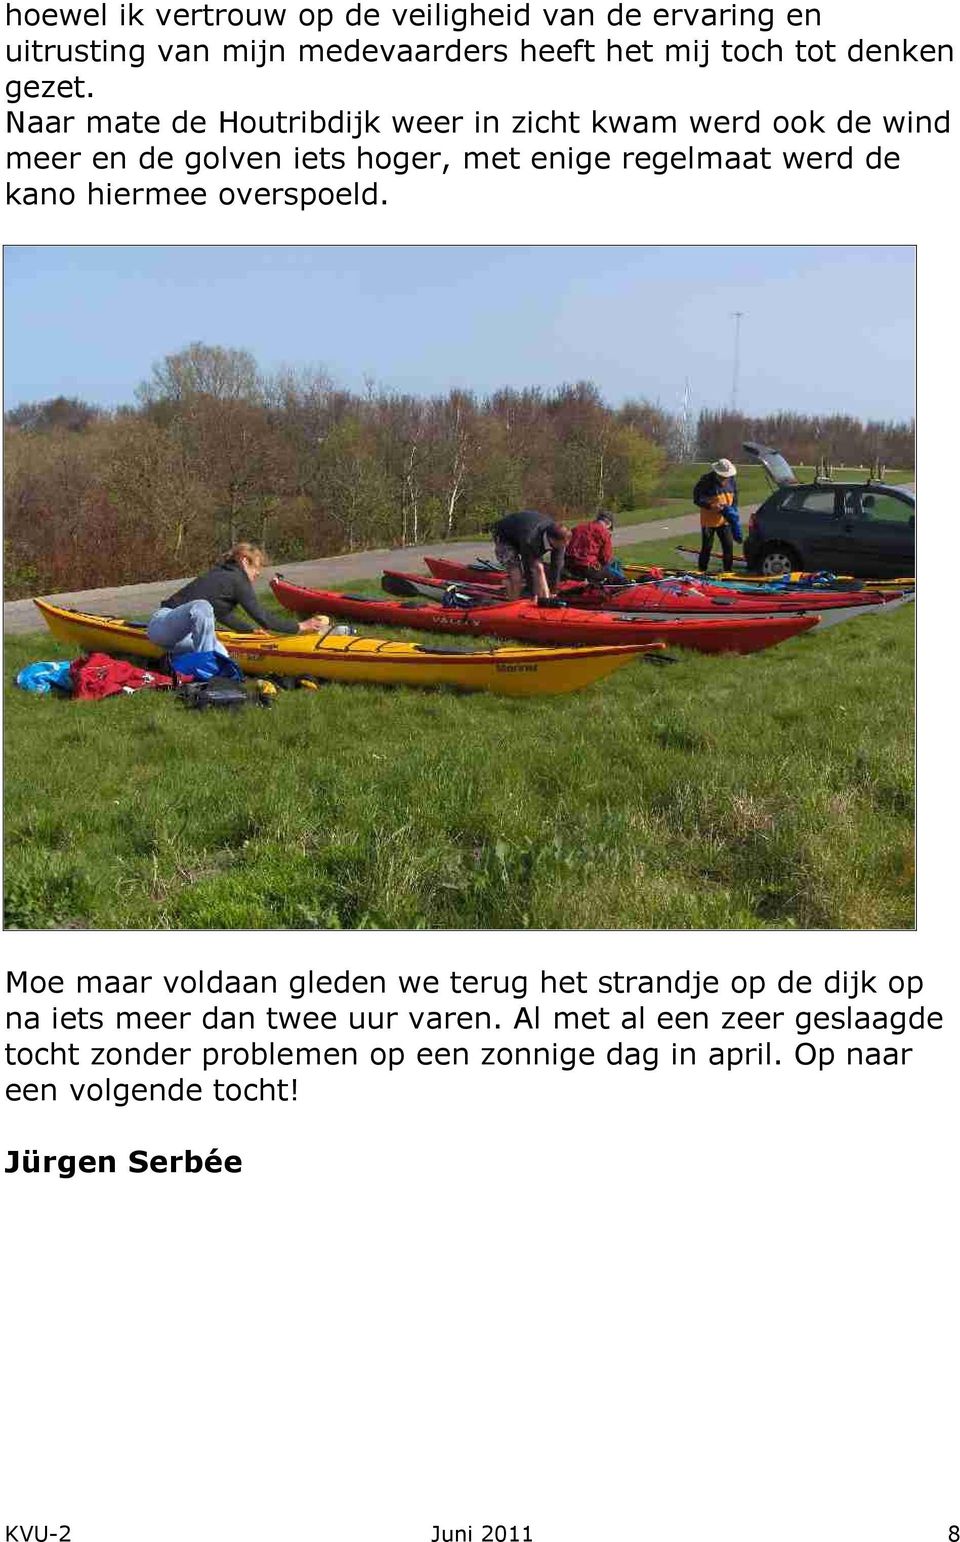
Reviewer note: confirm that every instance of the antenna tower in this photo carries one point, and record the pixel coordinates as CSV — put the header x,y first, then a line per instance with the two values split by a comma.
x,y
686,424
735,392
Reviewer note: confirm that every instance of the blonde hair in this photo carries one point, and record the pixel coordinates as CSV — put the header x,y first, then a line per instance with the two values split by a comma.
x,y
246,551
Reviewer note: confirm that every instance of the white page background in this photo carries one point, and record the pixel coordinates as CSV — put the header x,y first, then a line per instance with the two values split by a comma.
x,y
616,1306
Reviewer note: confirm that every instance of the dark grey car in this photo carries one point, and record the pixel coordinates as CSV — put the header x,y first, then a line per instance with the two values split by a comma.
x,y
866,528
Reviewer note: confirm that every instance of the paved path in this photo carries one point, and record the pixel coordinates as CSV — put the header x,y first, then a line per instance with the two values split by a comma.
x,y
321,573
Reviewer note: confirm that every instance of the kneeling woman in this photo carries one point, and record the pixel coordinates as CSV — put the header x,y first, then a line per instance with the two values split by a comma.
x,y
188,621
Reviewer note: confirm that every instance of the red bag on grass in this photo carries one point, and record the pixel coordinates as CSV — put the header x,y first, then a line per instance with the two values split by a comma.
x,y
96,675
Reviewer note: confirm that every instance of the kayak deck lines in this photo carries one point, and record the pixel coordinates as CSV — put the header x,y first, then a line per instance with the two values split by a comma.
x,y
561,625
520,672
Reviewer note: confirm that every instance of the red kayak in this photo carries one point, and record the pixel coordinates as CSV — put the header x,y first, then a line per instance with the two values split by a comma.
x,y
485,573
466,572
526,621
671,596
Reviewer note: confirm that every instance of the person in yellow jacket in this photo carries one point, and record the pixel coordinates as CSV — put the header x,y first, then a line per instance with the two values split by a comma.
x,y
716,497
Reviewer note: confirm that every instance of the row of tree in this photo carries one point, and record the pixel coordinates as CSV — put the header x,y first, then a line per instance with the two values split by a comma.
x,y
809,441
214,451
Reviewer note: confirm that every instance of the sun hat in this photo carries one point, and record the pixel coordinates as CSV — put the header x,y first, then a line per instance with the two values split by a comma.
x,y
724,468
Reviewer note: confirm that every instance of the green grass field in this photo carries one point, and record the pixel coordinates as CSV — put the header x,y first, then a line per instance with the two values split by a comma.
x,y
769,791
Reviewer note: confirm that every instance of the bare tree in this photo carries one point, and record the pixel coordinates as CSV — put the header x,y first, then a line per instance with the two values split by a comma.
x,y
58,412
224,374
456,417
217,451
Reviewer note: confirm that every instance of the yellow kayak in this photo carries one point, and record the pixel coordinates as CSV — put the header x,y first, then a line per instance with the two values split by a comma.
x,y
638,571
371,660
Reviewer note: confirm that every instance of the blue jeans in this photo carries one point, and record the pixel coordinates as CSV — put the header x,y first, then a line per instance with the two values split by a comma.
x,y
185,629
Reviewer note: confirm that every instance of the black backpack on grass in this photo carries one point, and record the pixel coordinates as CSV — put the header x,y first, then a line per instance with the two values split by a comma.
x,y
209,680
214,693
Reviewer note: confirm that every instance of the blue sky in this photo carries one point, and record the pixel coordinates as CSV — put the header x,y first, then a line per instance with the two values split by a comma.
x,y
825,329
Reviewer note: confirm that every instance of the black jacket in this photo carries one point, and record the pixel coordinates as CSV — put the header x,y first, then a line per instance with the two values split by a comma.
x,y
526,532
228,588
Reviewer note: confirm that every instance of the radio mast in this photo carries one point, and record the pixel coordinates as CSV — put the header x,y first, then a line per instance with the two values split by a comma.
x,y
686,446
737,321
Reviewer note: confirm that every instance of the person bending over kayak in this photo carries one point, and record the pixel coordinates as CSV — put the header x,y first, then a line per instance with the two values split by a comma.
x,y
521,542
590,552
188,621
716,497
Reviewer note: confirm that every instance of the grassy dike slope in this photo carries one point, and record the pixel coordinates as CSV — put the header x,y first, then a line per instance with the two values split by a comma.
x,y
768,791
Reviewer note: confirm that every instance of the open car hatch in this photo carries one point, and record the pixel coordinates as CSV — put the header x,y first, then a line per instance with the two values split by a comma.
x,y
777,468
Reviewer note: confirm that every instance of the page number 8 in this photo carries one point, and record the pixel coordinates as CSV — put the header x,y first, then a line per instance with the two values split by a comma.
x,y
953,1535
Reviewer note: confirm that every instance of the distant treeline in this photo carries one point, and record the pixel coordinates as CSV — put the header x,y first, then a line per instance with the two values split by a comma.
x,y
215,451
809,441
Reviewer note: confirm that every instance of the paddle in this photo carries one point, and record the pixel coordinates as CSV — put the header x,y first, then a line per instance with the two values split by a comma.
x,y
392,583
690,551
408,588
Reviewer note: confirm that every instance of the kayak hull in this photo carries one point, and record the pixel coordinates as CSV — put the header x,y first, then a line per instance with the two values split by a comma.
x,y
525,621
466,572
798,585
369,660
675,597
493,577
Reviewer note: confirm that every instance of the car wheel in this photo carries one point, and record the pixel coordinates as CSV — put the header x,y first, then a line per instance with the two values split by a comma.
x,y
779,560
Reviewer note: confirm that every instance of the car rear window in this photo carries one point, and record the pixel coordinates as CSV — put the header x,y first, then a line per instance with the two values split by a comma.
x,y
816,500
